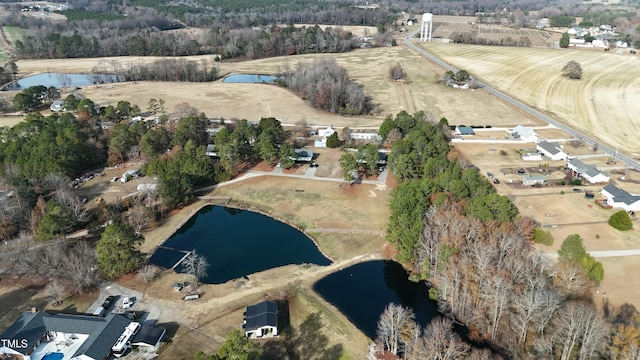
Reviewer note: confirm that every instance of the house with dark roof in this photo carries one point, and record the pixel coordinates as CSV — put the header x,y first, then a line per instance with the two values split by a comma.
x,y
149,337
38,334
261,320
303,155
618,198
552,150
211,151
588,172
464,130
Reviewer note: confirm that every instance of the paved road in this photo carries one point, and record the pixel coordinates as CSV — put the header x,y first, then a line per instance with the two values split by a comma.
x,y
614,253
588,141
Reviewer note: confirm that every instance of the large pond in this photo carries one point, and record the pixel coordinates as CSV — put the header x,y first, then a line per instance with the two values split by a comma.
x,y
250,78
362,291
64,80
237,243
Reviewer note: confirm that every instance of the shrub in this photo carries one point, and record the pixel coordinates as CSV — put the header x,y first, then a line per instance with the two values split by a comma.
x,y
576,182
543,237
621,221
503,153
333,141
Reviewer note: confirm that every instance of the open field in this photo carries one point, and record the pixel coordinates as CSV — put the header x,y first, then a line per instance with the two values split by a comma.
x,y
368,66
10,120
601,104
13,33
493,33
568,213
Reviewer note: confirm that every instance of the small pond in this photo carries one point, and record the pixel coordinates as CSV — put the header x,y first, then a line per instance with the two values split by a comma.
x,y
64,80
237,243
362,291
250,78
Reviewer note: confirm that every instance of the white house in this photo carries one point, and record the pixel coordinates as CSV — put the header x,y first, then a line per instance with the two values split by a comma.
x,y
261,320
551,150
325,133
366,136
525,133
618,198
600,43
57,105
532,157
588,172
621,45
532,180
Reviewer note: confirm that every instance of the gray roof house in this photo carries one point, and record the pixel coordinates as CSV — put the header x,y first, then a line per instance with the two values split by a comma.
x,y
534,180
525,133
588,172
303,155
38,333
464,130
261,320
211,150
618,198
552,150
57,105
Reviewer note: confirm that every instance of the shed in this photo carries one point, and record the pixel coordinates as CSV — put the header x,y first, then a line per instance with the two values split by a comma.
x,y
261,320
464,130
149,336
534,180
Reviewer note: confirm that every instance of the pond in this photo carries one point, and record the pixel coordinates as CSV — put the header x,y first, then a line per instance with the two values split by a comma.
x,y
362,291
59,80
237,243
250,78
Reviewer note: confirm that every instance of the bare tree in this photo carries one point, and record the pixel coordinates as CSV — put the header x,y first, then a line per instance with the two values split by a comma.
x,y
438,341
148,273
196,266
79,267
396,72
56,181
392,321
139,217
55,290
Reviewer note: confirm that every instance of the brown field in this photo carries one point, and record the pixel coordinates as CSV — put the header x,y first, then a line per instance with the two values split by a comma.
x,y
445,29
10,120
368,66
601,104
568,213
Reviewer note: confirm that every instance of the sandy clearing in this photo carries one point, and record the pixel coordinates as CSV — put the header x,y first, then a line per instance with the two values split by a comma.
x,y
599,104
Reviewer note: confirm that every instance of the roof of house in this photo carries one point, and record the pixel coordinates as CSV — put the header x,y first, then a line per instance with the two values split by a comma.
x,y
587,169
552,148
620,195
465,130
103,331
301,153
260,315
148,335
524,131
211,148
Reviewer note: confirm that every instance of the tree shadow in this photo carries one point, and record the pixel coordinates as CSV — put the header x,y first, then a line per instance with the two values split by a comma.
x,y
306,342
15,302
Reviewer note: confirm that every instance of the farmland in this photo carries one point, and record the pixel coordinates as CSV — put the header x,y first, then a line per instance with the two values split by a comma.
x,y
600,104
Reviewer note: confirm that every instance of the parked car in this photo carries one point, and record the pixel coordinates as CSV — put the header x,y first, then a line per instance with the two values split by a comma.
x,y
496,181
108,302
521,171
114,179
314,165
576,190
490,175
127,302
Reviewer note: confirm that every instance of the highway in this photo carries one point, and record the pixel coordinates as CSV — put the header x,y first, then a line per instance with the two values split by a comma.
x,y
576,134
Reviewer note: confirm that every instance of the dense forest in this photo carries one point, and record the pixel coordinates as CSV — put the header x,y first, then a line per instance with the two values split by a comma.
x,y
453,231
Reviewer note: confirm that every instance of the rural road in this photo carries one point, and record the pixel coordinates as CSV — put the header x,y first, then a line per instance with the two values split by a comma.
x,y
578,135
614,253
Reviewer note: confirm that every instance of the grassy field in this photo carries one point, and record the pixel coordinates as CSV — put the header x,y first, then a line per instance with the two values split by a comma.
x,y
601,104
13,33
370,67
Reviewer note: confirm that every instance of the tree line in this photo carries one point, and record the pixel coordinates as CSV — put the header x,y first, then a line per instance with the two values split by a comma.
x,y
453,231
326,85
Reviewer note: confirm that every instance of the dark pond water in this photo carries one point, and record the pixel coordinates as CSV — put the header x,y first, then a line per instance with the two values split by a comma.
x,y
238,243
362,291
250,78
64,80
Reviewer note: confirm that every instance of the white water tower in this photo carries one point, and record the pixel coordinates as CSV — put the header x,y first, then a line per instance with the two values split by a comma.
x,y
426,26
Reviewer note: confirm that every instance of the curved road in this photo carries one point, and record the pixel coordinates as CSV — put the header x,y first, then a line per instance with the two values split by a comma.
x,y
589,141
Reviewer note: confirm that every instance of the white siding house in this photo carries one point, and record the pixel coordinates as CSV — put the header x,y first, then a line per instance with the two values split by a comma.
x,y
588,172
525,133
551,150
534,180
618,198
261,320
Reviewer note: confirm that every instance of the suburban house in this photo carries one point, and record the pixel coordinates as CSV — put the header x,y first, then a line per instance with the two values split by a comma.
x,y
464,130
366,136
552,150
211,151
532,180
525,133
324,134
532,156
57,105
618,198
38,334
588,172
303,155
261,320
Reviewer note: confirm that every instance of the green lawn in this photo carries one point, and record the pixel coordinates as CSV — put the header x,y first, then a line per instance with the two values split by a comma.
x,y
14,33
